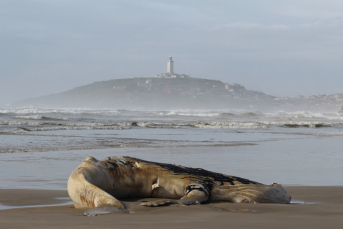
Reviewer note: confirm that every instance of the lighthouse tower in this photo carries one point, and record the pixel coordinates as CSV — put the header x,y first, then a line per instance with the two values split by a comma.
x,y
170,66
170,71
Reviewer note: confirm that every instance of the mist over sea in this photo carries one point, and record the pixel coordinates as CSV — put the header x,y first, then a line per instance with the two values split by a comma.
x,y
39,148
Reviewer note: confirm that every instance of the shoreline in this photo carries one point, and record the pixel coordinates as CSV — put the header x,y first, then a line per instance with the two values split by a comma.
x,y
311,207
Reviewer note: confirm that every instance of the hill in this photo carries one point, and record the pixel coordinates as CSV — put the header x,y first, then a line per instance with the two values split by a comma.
x,y
180,93
155,93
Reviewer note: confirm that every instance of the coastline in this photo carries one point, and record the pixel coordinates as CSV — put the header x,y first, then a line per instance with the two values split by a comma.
x,y
311,207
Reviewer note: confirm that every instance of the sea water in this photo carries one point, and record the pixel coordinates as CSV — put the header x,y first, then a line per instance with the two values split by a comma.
x,y
39,148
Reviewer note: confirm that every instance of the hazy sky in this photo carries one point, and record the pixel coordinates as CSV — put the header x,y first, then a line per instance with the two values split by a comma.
x,y
283,48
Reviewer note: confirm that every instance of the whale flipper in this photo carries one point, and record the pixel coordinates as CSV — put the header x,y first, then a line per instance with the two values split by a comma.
x,y
104,210
158,203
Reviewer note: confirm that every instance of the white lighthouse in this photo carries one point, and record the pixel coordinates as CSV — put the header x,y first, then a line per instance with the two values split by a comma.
x,y
170,66
170,71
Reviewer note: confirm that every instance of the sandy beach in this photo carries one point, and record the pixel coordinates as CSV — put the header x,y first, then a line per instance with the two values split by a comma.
x,y
312,207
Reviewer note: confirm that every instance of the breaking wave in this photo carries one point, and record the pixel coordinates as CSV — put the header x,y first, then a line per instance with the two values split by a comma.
x,y
35,119
50,126
38,117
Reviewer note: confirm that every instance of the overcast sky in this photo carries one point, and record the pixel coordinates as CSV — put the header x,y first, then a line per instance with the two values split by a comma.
x,y
282,48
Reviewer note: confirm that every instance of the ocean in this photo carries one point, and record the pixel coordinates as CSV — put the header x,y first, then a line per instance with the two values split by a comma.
x,y
39,148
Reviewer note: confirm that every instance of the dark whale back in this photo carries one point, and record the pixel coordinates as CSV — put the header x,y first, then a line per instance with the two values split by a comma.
x,y
208,178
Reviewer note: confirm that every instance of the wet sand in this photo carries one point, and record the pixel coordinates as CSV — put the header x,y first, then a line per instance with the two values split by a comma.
x,y
312,207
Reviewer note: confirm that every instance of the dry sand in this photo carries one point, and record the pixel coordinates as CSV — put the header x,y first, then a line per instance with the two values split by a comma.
x,y
320,207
